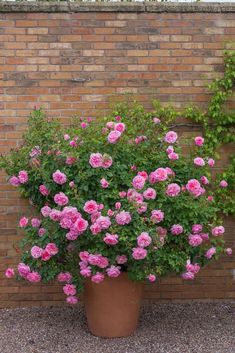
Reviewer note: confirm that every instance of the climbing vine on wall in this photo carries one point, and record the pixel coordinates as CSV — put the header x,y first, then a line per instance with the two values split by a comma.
x,y
216,122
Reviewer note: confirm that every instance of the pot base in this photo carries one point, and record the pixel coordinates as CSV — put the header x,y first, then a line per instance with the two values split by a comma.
x,y
112,306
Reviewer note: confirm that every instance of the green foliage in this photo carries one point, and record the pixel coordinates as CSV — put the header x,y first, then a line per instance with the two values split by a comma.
x,y
45,150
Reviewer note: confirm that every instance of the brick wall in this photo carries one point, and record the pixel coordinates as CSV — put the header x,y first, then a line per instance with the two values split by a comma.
x,y
75,60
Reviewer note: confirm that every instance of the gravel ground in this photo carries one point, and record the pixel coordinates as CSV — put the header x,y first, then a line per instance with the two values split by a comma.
x,y
164,328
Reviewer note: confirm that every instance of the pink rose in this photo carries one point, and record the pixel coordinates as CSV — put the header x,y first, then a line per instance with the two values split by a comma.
x,y
110,213
161,231
229,251
217,231
33,277
118,118
110,239
142,207
59,177
106,161
144,240
195,240
211,162
66,223
170,149
95,228
104,183
157,216
86,272
114,136
139,253
196,228
35,222
72,235
23,269
52,249
173,156
188,276
43,190
173,190
171,137
118,205
140,139
194,268
9,273
98,260
61,199
69,289
98,277
122,194
113,271
110,125
156,121
210,252
123,217
14,181
55,215
23,177
73,143
119,127
64,277
159,174
71,299
193,186
210,198
83,125
71,184
223,184
45,211
199,162
70,160
199,141
90,207
103,222
149,194
121,259
36,252
138,182
23,222
80,225
144,174
177,229
151,278
84,255
45,256
204,236
95,160
204,180
35,151
66,137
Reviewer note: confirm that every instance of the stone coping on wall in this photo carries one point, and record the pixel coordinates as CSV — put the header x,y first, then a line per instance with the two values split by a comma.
x,y
70,7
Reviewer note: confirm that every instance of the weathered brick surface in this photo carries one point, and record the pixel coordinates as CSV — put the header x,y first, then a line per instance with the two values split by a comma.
x,y
168,55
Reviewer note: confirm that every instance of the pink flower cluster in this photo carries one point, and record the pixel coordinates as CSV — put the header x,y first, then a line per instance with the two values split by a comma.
x,y
22,178
97,160
25,272
116,133
160,174
191,270
45,254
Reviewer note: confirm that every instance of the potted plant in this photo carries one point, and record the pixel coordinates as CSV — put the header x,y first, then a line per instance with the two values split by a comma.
x,y
119,204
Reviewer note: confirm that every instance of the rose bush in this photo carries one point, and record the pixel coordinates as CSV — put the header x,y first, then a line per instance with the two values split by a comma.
x,y
114,194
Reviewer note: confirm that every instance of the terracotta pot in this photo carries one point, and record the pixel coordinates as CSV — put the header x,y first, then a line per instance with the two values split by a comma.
x,y
112,306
